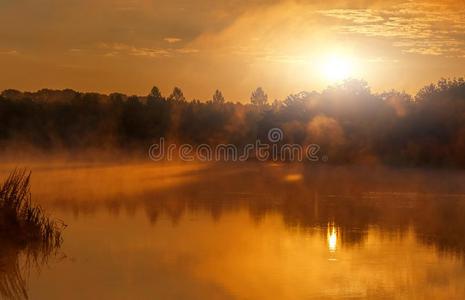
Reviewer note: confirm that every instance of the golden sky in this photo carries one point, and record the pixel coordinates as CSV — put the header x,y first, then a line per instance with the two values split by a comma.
x,y
234,45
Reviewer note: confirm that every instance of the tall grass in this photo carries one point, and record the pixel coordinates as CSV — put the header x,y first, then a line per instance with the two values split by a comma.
x,y
27,235
22,219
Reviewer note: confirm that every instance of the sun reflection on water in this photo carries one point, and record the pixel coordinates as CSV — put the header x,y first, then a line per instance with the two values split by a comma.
x,y
332,237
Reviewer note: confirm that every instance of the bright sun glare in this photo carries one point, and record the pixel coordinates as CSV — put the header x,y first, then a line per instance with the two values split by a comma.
x,y
332,237
337,68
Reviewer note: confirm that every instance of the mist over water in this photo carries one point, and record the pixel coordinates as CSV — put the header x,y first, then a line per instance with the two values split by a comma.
x,y
250,230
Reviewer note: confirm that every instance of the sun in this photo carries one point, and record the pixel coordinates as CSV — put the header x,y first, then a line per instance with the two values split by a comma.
x,y
337,67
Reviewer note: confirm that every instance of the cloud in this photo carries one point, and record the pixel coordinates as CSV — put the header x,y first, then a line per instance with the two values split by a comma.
x,y
172,40
422,28
118,49
9,52
285,32
186,50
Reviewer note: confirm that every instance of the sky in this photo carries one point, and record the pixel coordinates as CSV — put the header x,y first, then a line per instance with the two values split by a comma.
x,y
285,46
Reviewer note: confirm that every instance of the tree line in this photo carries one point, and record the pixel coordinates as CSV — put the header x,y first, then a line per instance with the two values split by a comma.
x,y
349,122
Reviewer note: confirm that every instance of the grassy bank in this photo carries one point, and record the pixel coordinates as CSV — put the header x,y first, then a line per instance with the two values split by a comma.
x,y
28,237
20,219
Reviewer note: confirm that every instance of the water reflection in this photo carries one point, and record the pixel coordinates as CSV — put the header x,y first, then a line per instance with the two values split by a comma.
x,y
332,237
352,198
248,231
17,261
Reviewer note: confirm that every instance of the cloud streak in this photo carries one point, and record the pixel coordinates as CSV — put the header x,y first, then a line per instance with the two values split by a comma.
x,y
172,40
119,49
421,28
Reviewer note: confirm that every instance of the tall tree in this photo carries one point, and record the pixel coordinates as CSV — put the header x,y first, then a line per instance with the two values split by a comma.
x,y
155,93
218,97
177,95
258,97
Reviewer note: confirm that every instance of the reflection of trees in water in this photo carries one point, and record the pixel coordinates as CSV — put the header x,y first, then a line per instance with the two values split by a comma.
x,y
442,223
353,199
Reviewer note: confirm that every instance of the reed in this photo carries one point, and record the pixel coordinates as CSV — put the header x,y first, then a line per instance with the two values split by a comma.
x,y
23,221
28,237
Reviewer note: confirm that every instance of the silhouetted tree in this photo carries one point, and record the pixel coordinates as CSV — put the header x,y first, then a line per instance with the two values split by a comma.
x,y
258,97
154,95
444,90
117,98
177,95
348,121
218,97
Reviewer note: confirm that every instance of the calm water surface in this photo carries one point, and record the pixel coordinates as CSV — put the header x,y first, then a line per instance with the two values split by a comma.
x,y
248,231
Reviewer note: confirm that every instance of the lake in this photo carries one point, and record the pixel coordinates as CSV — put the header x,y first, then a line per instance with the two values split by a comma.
x,y
247,231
